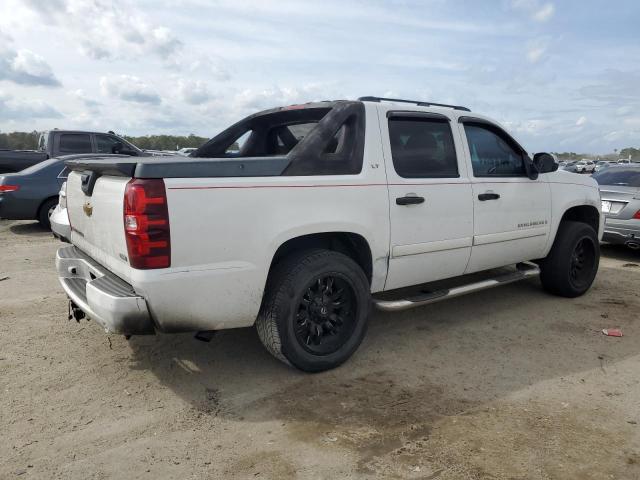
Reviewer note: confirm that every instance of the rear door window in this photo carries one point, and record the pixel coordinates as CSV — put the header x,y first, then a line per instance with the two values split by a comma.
x,y
75,143
422,148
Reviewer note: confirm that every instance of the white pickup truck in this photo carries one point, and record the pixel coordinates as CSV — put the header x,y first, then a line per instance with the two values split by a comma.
x,y
299,219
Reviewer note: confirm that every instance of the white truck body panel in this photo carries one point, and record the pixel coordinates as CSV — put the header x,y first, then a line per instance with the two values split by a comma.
x,y
421,253
225,231
101,234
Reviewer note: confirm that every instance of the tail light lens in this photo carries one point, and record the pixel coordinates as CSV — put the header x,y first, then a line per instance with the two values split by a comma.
x,y
146,224
9,188
637,215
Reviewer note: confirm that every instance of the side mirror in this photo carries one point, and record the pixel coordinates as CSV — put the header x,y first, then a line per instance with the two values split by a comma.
x,y
544,163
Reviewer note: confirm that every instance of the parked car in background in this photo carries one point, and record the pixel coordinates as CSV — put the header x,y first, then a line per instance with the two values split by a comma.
x,y
186,151
298,219
620,193
585,166
601,165
32,194
624,161
56,143
569,166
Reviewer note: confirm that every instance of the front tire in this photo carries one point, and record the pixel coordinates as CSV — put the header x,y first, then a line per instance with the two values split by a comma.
x,y
572,264
315,311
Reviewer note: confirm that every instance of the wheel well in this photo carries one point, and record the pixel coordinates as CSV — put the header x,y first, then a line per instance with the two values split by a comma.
x,y
585,214
350,244
55,197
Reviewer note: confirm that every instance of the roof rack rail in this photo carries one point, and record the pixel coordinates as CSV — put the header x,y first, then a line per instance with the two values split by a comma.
x,y
417,102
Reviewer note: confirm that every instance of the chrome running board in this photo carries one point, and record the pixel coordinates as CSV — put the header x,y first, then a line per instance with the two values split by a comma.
x,y
523,270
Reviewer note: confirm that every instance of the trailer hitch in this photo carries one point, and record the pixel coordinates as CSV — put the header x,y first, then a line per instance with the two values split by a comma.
x,y
75,312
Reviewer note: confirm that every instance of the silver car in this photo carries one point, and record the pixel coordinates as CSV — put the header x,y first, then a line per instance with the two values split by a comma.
x,y
620,193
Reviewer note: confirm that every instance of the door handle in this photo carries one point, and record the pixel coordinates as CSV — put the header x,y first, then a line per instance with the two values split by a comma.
x,y
409,200
488,196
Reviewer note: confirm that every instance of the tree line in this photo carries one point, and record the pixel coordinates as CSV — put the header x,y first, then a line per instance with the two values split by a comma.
x,y
29,141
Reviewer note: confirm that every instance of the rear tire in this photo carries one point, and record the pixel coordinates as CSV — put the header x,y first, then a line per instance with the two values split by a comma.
x,y
45,211
572,263
315,310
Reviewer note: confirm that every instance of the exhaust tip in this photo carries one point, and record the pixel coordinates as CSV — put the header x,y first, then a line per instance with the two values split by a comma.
x,y
633,245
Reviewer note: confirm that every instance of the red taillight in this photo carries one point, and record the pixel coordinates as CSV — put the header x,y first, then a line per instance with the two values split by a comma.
x,y
146,224
637,215
9,188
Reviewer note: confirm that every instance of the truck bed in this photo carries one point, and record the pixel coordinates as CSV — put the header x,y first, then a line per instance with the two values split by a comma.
x,y
17,160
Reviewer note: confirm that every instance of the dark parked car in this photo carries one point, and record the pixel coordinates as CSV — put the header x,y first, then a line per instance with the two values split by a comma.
x,y
32,194
620,193
56,143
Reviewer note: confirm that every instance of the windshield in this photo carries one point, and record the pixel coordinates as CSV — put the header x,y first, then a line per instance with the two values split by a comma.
x,y
627,177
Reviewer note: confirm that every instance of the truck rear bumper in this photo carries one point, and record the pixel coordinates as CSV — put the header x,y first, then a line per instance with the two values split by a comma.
x,y
101,295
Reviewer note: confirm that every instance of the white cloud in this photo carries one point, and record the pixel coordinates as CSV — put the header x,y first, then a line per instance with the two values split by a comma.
x,y
23,66
88,101
633,122
129,88
13,109
208,66
544,13
107,29
581,121
194,92
624,110
538,11
535,53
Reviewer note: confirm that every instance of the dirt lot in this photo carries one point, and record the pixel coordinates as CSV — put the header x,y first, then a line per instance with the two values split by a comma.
x,y
504,384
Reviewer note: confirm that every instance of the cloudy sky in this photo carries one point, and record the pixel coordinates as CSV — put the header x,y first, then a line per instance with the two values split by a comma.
x,y
561,75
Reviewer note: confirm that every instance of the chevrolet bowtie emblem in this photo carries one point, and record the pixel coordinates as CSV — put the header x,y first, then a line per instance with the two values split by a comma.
x,y
88,208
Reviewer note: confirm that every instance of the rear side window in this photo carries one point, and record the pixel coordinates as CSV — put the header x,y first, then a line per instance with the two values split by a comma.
x,y
422,148
75,143
493,153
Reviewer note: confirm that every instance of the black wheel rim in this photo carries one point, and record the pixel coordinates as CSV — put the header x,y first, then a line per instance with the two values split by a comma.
x,y
583,260
326,315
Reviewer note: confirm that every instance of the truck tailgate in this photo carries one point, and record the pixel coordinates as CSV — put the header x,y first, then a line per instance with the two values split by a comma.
x,y
97,226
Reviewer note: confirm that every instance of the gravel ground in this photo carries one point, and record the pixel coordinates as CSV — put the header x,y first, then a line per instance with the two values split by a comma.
x,y
509,383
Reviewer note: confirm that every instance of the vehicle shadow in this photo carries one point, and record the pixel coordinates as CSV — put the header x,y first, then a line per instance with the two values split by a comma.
x,y
412,367
33,229
620,252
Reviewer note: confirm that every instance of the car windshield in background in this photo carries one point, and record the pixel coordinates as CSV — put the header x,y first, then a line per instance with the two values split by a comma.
x,y
628,177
